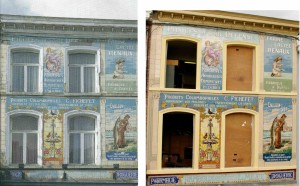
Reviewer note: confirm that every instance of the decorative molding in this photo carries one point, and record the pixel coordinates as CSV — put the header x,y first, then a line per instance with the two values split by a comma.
x,y
262,36
156,95
294,101
230,20
261,99
72,27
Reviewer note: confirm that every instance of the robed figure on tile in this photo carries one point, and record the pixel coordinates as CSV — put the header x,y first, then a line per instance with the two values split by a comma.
x,y
276,129
119,131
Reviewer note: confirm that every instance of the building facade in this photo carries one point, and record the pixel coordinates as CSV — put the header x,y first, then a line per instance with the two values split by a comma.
x,y
68,100
221,98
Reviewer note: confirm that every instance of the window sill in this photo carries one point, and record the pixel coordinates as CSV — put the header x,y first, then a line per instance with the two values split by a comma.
x,y
26,93
26,166
83,93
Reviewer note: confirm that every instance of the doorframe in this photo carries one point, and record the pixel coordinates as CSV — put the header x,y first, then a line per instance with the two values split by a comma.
x,y
196,129
254,142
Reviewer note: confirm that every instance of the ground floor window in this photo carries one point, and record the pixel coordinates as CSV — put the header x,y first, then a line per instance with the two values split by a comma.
x,y
24,139
177,139
81,139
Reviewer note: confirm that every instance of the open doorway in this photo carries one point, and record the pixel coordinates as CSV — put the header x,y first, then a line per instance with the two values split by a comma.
x,y
181,64
177,144
238,143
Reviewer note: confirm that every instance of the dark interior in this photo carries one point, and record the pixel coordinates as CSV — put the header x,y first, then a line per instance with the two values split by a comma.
x,y
181,73
177,144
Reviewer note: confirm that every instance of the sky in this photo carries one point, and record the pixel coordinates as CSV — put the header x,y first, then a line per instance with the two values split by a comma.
x,y
100,9
104,9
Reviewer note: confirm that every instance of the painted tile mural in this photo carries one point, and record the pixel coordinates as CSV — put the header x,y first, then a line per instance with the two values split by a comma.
x,y
277,134
210,108
120,66
53,110
212,51
121,129
212,65
209,155
278,64
53,70
210,103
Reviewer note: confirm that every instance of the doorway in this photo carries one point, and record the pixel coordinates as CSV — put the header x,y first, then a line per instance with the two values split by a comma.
x,y
177,139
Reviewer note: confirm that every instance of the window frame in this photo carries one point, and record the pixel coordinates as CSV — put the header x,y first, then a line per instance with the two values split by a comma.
x,y
85,113
88,50
31,113
163,62
196,129
25,48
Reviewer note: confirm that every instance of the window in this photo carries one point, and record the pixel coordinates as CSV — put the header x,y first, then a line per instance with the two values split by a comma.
x,y
82,139
24,139
177,139
240,64
25,75
83,72
181,64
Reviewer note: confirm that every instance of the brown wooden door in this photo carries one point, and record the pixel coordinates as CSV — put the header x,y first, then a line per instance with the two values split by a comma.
x,y
239,68
238,140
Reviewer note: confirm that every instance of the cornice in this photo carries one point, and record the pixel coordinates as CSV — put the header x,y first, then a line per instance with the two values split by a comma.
x,y
228,20
68,27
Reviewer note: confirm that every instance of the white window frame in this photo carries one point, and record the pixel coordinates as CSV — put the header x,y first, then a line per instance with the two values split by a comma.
x,y
85,113
31,48
21,112
89,50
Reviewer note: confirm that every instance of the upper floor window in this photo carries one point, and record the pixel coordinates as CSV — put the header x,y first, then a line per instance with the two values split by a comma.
x,y
25,74
181,64
83,72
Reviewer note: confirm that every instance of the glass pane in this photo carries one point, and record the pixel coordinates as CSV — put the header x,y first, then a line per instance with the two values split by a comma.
x,y
31,148
74,150
32,78
18,78
74,79
17,148
24,123
25,57
89,79
81,59
82,123
89,148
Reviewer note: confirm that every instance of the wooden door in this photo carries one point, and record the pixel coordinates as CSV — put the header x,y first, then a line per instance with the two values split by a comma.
x,y
238,140
239,68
